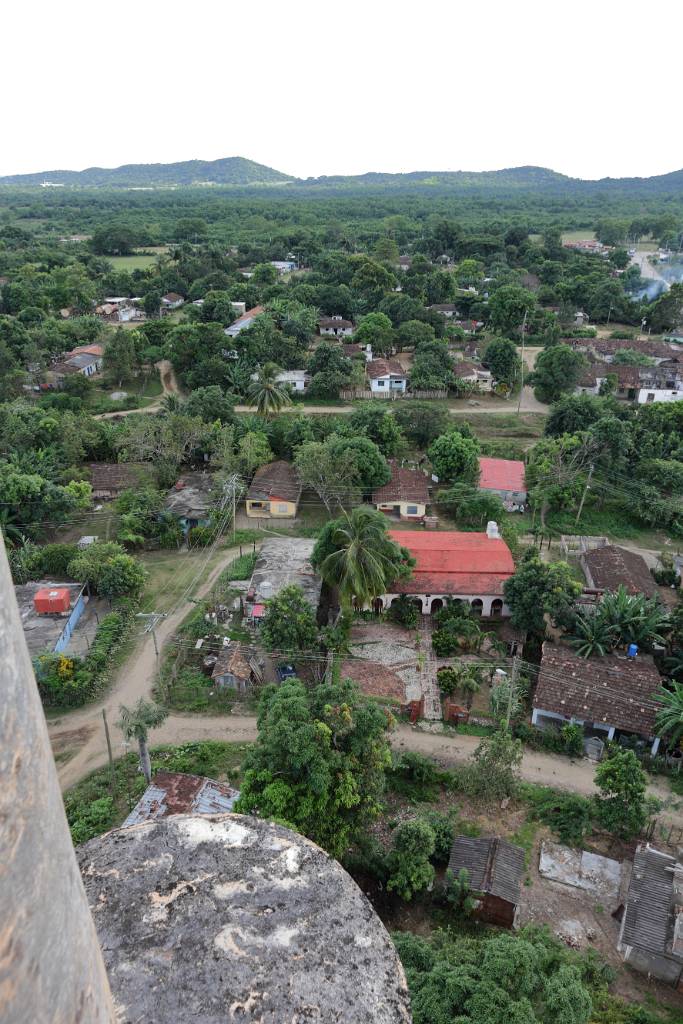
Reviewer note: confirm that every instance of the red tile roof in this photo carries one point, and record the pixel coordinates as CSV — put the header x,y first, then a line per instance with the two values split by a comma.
x,y
405,485
447,562
384,368
613,690
501,475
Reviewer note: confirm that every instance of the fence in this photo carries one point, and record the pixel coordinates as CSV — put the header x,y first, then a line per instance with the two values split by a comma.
x,y
348,394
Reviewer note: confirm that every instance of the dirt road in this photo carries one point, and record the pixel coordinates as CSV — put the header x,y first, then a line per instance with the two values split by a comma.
x,y
84,729
169,386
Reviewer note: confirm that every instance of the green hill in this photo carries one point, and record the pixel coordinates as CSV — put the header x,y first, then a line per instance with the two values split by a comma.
x,y
232,170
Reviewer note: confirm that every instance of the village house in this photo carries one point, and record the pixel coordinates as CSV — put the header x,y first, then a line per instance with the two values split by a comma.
x,y
274,491
177,793
659,387
405,496
595,376
231,668
472,373
243,322
109,479
447,309
610,567
283,266
192,499
86,360
605,349
495,871
50,612
356,350
335,326
470,567
171,301
609,696
119,310
386,377
469,327
296,380
651,933
282,561
504,477
404,263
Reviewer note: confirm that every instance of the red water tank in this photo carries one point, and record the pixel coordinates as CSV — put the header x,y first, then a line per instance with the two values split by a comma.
x,y
52,601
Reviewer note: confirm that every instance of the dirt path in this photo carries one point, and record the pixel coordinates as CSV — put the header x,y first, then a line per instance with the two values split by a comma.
x,y
169,385
483,406
448,749
84,729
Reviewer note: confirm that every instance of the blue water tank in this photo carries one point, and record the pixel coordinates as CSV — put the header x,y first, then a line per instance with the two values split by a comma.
x,y
632,650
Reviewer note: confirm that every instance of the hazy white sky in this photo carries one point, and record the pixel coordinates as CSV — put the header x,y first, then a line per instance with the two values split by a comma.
x,y
313,87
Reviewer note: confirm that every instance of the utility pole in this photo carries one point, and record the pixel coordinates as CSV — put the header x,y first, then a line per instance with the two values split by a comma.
x,y
521,386
108,737
585,492
512,689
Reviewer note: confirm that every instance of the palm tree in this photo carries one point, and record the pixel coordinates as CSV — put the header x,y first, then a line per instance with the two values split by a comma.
x,y
669,719
469,685
171,404
267,393
136,722
14,538
593,634
364,560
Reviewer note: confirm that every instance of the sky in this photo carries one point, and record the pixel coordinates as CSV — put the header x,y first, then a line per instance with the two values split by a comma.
x,y
315,88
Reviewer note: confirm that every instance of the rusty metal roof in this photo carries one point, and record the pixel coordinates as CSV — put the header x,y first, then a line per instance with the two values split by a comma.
x,y
177,793
650,917
494,865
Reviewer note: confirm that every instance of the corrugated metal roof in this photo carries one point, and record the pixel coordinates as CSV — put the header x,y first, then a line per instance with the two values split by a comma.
x,y
177,793
649,919
494,865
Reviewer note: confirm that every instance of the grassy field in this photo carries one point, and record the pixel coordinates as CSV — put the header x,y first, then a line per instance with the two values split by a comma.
x,y
528,426
138,261
577,236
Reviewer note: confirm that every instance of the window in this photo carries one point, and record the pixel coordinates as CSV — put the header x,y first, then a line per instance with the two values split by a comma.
x,y
257,504
651,397
411,510
283,507
380,383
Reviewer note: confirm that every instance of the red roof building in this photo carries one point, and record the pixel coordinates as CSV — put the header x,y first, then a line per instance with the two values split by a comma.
x,y
469,566
504,477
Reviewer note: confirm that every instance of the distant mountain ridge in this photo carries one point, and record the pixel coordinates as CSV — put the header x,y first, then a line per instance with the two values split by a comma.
x,y
237,171
231,170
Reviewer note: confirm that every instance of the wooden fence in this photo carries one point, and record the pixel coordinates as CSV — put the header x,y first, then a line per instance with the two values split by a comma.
x,y
348,394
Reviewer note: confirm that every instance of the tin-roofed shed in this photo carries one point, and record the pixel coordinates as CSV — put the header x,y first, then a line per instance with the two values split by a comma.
x,y
178,793
495,868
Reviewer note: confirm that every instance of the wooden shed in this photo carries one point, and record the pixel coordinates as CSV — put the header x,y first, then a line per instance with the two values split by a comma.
x,y
495,868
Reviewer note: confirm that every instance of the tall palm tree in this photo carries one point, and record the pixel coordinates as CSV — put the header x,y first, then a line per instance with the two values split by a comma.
x,y
669,719
136,722
364,561
171,403
267,393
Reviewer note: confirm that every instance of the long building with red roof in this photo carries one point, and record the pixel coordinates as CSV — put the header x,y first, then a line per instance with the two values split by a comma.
x,y
472,567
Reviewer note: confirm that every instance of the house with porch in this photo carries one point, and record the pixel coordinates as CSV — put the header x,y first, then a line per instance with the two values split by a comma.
x,y
386,377
473,374
470,567
405,496
609,696
243,322
171,301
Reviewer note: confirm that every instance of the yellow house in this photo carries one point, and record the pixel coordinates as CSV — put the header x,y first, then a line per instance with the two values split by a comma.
x,y
405,496
274,492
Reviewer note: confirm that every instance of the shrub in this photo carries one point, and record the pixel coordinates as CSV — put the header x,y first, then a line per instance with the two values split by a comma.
x,y
410,869
93,819
201,536
444,833
572,739
72,685
404,613
415,776
567,814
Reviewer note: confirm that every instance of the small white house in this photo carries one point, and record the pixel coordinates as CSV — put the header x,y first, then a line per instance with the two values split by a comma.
x,y
647,395
172,301
386,377
335,326
283,266
243,322
298,380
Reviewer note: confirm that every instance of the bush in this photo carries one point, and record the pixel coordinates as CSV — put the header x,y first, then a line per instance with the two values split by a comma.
x,y
444,833
415,776
567,740
93,819
404,613
201,536
70,682
410,869
567,814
